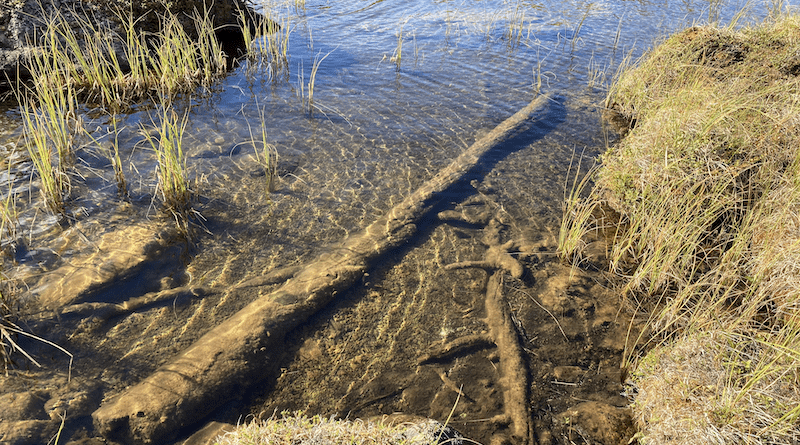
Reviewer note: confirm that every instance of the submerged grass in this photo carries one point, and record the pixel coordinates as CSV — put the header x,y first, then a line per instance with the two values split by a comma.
x,y
7,344
704,192
312,81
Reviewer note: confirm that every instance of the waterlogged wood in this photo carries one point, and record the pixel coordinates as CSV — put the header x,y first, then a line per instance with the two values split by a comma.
x,y
513,371
503,331
238,352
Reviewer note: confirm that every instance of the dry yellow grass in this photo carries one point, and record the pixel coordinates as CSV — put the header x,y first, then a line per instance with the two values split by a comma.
x,y
299,429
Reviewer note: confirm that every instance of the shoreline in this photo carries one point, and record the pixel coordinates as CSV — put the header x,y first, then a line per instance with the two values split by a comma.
x,y
705,244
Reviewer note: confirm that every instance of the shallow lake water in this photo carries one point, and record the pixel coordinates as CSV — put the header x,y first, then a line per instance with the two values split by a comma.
x,y
399,90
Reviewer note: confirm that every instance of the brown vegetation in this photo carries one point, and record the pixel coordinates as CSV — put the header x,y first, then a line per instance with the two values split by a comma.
x,y
704,189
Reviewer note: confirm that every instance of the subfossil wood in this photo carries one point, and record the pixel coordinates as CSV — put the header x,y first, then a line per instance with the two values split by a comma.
x,y
273,277
513,371
459,346
237,353
104,311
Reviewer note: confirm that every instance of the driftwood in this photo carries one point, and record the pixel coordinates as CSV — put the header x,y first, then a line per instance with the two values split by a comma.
x,y
221,364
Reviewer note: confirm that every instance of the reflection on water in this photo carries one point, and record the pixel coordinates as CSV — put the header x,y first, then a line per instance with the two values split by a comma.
x,y
404,87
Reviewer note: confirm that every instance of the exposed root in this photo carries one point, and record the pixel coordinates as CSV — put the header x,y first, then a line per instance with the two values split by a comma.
x,y
503,330
512,365
276,276
452,385
497,258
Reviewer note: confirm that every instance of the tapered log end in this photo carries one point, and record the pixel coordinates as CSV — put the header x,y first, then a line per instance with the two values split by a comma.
x,y
128,421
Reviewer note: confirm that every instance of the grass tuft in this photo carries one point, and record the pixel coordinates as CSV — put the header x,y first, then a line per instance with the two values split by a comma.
x,y
48,140
166,140
267,157
298,428
8,346
267,40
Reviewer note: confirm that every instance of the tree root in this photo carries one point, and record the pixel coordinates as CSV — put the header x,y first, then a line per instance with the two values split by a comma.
x,y
514,372
496,258
276,276
503,330
102,312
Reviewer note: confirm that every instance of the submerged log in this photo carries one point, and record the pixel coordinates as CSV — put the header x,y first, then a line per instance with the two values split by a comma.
x,y
235,354
513,371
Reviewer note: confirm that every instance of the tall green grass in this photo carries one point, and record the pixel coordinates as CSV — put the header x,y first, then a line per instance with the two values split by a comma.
x,y
166,141
115,70
116,161
49,125
267,42
703,193
76,59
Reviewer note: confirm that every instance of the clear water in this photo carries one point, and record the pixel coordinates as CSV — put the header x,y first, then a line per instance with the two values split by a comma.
x,y
379,127
378,131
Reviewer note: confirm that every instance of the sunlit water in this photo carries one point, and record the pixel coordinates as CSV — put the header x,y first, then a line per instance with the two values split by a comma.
x,y
380,126
378,129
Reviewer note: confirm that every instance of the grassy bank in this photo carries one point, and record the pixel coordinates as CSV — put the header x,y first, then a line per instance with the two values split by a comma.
x,y
699,203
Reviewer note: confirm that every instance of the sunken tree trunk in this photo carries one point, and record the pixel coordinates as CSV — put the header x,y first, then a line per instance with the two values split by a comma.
x,y
235,354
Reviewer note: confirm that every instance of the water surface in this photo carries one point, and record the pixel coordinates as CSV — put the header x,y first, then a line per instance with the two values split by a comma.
x,y
378,128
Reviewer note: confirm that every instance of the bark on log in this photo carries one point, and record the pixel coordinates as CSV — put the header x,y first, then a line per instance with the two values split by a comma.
x,y
234,355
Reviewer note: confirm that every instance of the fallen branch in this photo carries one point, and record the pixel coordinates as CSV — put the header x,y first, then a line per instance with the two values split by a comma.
x,y
240,351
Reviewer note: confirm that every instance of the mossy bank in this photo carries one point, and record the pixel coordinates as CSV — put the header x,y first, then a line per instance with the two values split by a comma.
x,y
701,196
